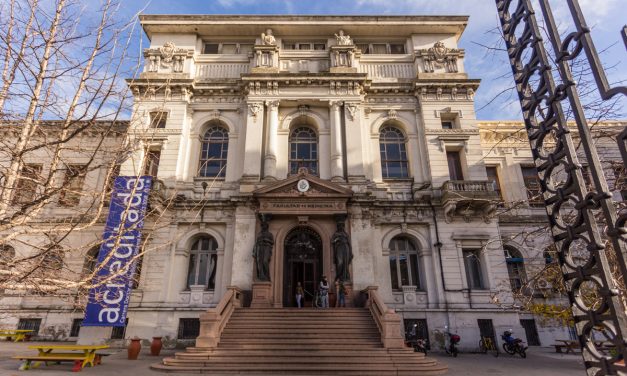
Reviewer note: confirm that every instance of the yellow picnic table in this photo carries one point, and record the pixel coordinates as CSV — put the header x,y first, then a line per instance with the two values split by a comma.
x,y
18,335
81,355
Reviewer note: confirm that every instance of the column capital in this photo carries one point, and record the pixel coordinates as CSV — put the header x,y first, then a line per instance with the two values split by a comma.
x,y
335,105
273,105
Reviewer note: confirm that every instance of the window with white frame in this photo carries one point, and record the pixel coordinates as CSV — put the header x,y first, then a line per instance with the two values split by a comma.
x,y
203,259
474,272
214,152
303,151
394,161
404,267
515,268
381,48
227,48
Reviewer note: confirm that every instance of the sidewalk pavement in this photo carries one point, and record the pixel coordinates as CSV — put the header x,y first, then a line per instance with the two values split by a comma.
x,y
540,361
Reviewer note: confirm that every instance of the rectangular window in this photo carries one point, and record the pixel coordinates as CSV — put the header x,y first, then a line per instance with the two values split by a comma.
x,y
319,46
189,328
158,119
416,329
230,48
365,48
304,46
447,124
394,273
72,185
397,49
472,264
152,162
491,171
26,186
210,48
486,328
245,48
118,332
454,165
76,327
379,48
289,46
29,324
532,185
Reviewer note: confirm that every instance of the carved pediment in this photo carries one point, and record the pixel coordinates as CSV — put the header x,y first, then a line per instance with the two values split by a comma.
x,y
316,188
303,194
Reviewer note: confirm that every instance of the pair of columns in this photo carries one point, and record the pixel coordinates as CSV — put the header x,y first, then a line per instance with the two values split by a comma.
x,y
270,158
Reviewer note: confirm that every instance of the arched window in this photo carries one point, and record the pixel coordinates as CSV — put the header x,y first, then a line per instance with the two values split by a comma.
x,y
53,258
7,254
213,155
394,162
91,259
515,268
404,268
303,150
203,259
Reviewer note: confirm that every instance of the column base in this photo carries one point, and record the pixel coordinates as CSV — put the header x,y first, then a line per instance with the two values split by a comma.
x,y
262,295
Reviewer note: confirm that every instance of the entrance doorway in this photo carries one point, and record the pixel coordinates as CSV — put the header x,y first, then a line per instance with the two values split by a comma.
x,y
303,263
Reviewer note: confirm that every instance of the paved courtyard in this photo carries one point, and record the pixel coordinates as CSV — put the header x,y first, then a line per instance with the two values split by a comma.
x,y
540,361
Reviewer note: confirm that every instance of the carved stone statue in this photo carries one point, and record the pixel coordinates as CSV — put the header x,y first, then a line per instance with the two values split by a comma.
x,y
262,252
267,38
343,40
342,252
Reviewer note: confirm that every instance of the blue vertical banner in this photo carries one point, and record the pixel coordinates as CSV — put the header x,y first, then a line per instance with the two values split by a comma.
x,y
109,298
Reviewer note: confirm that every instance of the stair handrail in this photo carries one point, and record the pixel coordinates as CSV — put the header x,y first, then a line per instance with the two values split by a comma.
x,y
213,321
387,320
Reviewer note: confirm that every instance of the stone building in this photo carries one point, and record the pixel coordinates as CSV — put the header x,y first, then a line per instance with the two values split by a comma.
x,y
311,121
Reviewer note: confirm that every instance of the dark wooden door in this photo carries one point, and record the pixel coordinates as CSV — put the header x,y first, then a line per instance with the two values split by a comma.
x,y
531,331
454,165
303,263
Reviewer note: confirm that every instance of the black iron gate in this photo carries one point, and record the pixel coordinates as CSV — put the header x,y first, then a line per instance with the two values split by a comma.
x,y
593,227
531,331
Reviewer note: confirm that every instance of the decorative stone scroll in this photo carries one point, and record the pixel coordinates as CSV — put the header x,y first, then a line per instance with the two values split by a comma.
x,y
167,57
440,56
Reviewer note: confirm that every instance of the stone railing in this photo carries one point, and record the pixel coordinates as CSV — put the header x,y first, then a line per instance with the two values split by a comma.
x,y
205,71
468,186
388,70
213,321
387,320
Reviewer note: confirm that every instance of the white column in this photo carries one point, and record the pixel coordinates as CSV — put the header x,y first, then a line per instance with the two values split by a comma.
x,y
337,163
269,164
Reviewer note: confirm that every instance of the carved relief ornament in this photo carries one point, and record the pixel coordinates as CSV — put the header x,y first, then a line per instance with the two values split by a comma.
x,y
167,56
440,56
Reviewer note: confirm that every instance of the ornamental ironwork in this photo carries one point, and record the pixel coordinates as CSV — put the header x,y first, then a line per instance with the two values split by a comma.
x,y
583,220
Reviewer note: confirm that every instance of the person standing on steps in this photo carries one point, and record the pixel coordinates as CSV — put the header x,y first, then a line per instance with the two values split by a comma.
x,y
341,295
299,295
337,292
324,292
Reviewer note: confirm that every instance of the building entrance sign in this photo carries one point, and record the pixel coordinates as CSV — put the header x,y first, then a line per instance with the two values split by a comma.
x,y
108,300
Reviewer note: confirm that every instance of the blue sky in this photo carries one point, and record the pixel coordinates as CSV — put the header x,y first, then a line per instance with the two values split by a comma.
x,y
605,16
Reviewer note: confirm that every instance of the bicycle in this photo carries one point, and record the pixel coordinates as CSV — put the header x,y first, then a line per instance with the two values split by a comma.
x,y
487,344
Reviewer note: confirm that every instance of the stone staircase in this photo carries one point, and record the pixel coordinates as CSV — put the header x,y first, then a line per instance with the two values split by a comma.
x,y
291,341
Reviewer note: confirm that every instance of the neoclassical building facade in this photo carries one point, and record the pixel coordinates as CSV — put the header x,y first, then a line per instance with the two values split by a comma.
x,y
311,121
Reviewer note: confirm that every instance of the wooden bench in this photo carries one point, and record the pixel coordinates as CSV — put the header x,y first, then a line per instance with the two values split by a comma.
x,y
78,359
19,334
568,344
81,355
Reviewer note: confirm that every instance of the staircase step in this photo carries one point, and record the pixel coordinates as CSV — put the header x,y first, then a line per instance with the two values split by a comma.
x,y
308,341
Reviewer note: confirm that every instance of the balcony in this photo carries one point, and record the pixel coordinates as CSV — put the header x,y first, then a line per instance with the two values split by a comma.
x,y
469,199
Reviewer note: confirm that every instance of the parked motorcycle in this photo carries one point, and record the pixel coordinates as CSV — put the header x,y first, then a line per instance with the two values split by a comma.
x,y
453,340
513,345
